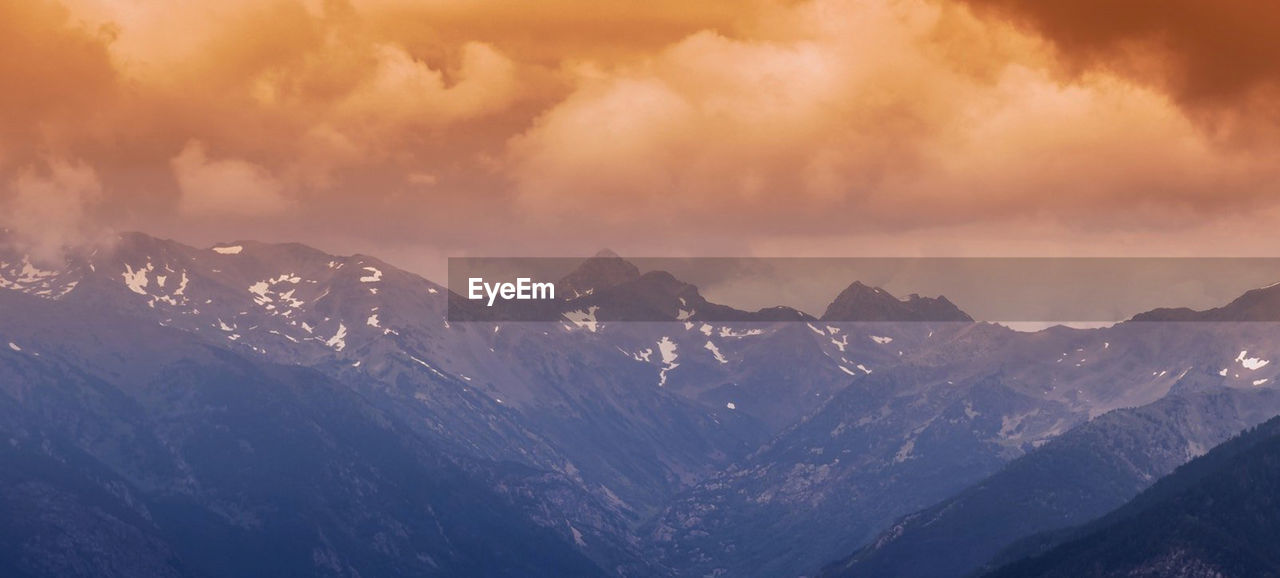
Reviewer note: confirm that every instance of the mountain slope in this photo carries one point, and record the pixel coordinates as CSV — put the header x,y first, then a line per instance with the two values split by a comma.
x,y
1216,516
1262,304
981,396
891,443
160,454
1070,480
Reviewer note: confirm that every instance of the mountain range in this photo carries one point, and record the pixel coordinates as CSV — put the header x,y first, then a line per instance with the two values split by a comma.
x,y
269,409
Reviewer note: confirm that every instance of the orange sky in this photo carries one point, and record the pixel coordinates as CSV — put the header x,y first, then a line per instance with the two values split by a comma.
x,y
825,127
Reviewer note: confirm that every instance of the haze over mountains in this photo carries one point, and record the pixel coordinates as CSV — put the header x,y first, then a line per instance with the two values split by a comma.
x,y
270,409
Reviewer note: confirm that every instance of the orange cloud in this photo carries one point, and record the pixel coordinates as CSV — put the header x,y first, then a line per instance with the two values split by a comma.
x,y
225,187
862,117
54,71
483,123
1207,52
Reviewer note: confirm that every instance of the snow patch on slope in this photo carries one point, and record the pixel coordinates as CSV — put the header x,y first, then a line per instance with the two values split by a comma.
x,y
373,277
136,280
1251,363
715,351
585,319
667,351
339,340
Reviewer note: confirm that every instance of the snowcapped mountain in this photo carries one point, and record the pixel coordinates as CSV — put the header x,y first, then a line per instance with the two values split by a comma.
x,y
952,412
645,429
132,449
601,438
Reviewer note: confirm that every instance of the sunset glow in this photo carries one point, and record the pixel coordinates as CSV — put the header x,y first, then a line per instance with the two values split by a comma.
x,y
762,127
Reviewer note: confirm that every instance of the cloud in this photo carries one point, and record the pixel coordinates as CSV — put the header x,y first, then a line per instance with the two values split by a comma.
x,y
752,123
225,187
49,207
405,90
54,71
860,115
1206,52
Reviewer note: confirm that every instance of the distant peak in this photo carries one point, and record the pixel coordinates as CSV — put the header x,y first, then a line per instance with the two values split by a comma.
x,y
606,269
861,302
860,290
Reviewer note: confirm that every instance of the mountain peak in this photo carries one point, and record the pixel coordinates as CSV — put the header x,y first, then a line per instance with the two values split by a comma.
x,y
606,269
861,302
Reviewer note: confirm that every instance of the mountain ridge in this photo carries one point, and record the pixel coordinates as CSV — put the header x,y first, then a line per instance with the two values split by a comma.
x,y
1214,516
653,448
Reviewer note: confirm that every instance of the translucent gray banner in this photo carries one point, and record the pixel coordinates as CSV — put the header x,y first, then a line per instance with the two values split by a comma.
x,y
1067,290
